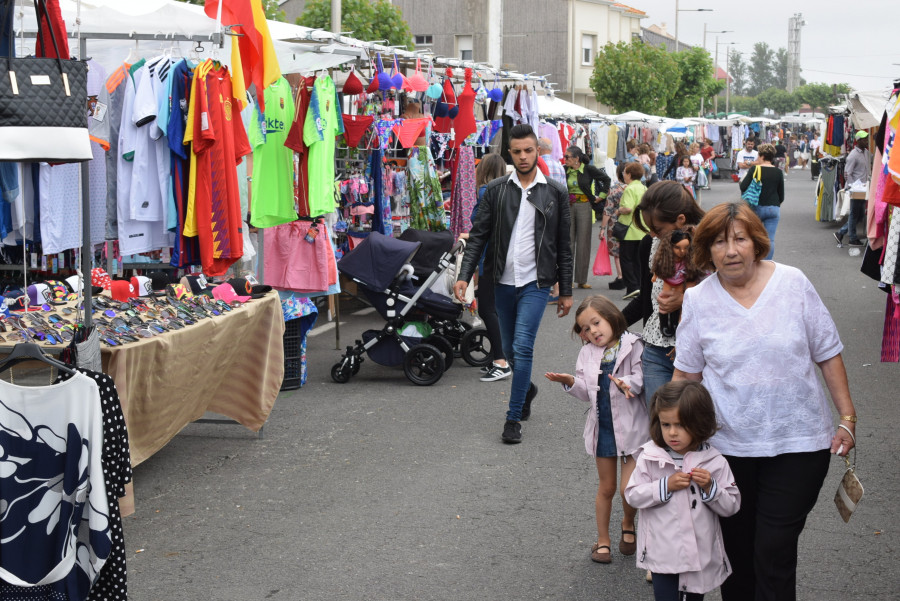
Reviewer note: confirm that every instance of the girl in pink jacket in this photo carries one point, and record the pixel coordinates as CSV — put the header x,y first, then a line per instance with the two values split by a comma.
x,y
681,486
608,375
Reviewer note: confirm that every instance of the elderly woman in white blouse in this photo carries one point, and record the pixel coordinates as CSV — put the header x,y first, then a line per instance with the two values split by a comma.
x,y
754,333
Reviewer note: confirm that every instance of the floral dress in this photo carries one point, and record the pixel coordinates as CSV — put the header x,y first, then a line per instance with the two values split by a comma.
x,y
612,205
426,203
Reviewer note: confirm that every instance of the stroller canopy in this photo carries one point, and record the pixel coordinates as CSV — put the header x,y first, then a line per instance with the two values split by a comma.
x,y
434,245
377,260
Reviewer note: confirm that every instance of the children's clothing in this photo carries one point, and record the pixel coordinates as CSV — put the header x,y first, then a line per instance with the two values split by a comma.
x,y
630,422
679,532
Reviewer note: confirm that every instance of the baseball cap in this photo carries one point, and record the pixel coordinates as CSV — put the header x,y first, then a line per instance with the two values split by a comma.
x,y
142,285
122,290
196,284
38,294
227,293
99,277
243,286
861,134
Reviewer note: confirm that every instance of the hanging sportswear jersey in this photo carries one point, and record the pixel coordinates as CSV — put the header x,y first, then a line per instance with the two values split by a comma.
x,y
219,142
323,124
185,250
272,189
114,97
295,142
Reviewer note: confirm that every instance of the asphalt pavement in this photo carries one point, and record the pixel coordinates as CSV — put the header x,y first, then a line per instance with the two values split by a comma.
x,y
382,490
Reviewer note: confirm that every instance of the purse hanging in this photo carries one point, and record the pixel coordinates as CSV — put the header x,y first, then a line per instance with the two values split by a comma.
x,y
751,194
43,105
850,490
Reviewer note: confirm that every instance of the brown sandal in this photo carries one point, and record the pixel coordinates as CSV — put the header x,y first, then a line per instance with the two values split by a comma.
x,y
626,548
600,556
585,286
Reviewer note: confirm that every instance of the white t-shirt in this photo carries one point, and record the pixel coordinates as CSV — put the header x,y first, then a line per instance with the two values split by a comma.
x,y
521,260
759,364
745,156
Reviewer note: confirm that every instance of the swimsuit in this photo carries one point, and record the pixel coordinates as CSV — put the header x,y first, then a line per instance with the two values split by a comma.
x,y
410,130
383,128
355,127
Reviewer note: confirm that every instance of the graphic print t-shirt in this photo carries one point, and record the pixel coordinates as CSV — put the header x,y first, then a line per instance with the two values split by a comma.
x,y
272,190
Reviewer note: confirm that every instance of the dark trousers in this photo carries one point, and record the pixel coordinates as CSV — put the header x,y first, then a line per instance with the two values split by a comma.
x,y
487,311
665,588
857,215
777,493
630,257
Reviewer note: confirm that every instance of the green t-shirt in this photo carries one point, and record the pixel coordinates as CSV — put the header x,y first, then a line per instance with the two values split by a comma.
x,y
323,123
272,189
631,198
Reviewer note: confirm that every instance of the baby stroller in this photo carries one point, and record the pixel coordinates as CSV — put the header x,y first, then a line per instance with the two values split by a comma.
x,y
381,266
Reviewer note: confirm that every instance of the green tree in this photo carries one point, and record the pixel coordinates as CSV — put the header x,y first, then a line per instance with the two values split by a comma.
x,y
778,100
760,69
697,81
367,19
635,77
746,104
273,13
818,96
737,68
780,70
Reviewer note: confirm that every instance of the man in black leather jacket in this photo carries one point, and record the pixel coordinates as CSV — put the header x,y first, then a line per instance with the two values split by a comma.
x,y
529,251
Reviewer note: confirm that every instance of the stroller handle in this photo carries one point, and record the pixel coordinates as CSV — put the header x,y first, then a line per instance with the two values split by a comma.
x,y
458,247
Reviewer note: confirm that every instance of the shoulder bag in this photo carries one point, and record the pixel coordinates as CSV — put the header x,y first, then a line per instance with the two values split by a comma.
x,y
751,194
43,105
850,490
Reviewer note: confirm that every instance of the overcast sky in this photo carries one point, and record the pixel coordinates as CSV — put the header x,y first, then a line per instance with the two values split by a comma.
x,y
837,44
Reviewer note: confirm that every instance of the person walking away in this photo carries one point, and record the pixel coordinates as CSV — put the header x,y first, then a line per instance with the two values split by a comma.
x,y
588,187
815,151
609,220
785,333
746,158
780,161
491,167
629,246
526,219
771,196
608,375
856,169
681,486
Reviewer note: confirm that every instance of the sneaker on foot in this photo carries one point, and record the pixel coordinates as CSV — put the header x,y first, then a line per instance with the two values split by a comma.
x,y
512,432
839,238
529,396
856,243
486,368
496,373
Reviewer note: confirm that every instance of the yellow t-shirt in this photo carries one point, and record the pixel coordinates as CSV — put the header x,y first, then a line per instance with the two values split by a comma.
x,y
631,198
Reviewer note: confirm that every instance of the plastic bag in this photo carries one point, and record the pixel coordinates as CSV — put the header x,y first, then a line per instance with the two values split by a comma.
x,y
601,260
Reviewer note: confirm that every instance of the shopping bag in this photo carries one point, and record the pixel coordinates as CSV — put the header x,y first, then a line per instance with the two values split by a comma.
x,y
601,260
751,194
702,180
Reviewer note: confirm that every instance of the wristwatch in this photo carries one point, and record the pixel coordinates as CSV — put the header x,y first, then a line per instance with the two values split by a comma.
x,y
848,418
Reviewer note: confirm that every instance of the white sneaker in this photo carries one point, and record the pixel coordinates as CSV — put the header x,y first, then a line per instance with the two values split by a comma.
x,y
496,373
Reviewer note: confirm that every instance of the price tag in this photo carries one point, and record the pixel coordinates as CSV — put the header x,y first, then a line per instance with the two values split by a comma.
x,y
43,262
53,265
201,279
251,279
34,262
61,260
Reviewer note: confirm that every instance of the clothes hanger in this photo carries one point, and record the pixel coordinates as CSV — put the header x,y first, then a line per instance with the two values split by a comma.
x,y
28,351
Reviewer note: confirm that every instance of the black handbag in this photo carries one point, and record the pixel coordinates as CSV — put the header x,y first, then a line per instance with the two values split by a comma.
x,y
619,230
43,105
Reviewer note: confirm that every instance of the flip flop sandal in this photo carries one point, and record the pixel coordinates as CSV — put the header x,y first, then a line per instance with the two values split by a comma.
x,y
598,555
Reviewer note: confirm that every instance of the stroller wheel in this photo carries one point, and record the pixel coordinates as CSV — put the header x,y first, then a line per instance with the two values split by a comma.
x,y
442,345
340,373
423,364
476,348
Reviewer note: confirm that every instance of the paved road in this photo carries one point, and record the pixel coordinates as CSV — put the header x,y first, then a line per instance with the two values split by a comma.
x,y
381,490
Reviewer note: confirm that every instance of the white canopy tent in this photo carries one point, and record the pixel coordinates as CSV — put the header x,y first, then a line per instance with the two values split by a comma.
x,y
635,117
866,108
551,106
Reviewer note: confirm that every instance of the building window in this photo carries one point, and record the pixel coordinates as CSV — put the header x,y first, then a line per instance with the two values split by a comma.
x,y
424,40
587,49
464,47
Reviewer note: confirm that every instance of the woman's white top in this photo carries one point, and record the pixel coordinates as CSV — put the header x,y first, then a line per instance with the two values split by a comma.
x,y
759,364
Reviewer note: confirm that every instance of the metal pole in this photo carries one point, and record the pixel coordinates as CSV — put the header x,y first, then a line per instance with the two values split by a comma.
x,y
716,67
676,25
336,16
703,98
573,49
727,85
87,249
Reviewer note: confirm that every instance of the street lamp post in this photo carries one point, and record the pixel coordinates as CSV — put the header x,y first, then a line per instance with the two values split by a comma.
x,y
686,10
715,63
727,83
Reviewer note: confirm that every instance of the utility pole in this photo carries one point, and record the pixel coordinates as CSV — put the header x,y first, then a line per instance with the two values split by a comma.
x,y
336,16
715,63
793,62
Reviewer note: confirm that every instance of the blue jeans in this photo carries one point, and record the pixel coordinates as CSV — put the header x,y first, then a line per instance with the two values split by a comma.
x,y
857,214
520,310
658,369
769,215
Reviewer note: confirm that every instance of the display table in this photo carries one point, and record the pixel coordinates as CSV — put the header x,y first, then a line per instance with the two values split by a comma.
x,y
231,364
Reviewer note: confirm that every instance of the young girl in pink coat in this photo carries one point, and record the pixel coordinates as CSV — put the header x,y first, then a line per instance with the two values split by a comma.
x,y
681,486
608,375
